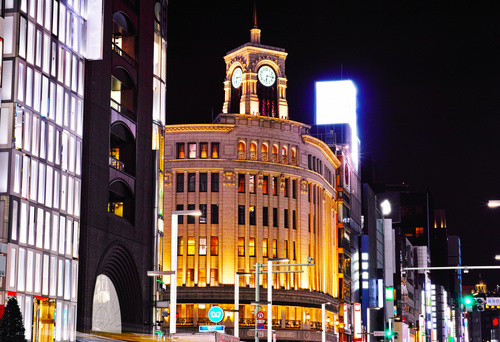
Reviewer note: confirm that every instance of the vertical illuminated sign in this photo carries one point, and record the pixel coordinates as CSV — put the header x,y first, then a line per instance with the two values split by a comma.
x,y
1,60
357,321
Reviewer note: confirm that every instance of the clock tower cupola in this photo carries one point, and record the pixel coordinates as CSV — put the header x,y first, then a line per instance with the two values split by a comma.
x,y
255,80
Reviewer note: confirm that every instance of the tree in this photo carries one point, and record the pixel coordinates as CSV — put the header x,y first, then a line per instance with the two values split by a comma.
x,y
11,323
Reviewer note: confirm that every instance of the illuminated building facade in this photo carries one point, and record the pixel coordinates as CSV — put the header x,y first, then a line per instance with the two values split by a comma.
x,y
266,189
45,46
122,172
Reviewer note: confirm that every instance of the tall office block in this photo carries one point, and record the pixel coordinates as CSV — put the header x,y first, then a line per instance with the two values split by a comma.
x,y
122,169
41,135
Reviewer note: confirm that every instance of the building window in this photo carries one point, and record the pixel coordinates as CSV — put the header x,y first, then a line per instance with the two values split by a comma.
x,y
265,250
294,219
180,218
294,188
286,249
251,184
191,245
214,245
214,214
180,182
241,182
180,246
191,182
252,215
203,216
215,150
286,218
265,185
241,150
241,214
275,217
191,218
294,251
251,247
204,150
180,151
203,246
275,248
419,231
241,246
264,152
275,186
192,150
285,188
214,277
265,216
214,182
253,151
203,182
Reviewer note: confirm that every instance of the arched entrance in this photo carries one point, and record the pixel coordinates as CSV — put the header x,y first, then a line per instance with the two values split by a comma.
x,y
106,314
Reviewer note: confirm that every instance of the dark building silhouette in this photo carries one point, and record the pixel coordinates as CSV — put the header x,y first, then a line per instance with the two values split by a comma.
x,y
124,118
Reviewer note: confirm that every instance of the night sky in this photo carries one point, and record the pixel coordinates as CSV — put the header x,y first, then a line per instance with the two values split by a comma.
x,y
428,80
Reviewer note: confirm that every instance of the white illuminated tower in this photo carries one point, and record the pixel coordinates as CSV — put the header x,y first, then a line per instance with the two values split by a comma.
x,y
41,132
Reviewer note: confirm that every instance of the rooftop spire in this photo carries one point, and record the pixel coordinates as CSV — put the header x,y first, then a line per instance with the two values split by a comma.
x,y
255,31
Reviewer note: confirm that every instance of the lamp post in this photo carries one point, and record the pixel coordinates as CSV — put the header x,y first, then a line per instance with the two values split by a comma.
x,y
173,265
323,321
494,203
270,296
237,301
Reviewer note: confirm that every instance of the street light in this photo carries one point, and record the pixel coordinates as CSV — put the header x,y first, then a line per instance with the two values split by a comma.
x,y
237,301
173,265
323,321
270,295
494,203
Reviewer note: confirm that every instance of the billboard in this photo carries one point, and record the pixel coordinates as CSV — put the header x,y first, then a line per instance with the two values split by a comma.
x,y
335,102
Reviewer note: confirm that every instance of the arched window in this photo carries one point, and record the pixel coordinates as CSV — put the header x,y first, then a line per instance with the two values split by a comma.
x,y
121,201
264,152
241,150
294,156
123,36
253,150
284,155
275,154
122,149
123,92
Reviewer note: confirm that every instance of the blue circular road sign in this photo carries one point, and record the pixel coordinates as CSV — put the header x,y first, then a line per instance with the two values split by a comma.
x,y
216,314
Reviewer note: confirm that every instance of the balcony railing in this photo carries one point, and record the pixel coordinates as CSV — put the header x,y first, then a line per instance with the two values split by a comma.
x,y
241,154
253,155
116,164
122,110
276,158
265,156
124,55
294,161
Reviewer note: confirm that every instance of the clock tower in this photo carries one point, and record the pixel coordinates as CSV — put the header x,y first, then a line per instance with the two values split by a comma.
x,y
255,80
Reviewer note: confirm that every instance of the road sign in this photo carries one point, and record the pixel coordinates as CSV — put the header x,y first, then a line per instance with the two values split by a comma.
x,y
260,326
211,328
260,315
261,321
379,333
216,314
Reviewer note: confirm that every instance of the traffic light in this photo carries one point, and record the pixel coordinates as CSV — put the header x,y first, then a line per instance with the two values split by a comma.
x,y
480,302
395,334
389,333
468,300
495,323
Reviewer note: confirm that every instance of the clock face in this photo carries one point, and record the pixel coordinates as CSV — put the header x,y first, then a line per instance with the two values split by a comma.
x,y
236,78
267,76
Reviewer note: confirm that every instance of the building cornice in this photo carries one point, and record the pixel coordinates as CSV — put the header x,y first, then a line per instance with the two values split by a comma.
x,y
198,128
332,158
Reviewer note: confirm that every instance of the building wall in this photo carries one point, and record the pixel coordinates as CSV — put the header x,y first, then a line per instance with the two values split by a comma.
x,y
313,200
41,129
119,167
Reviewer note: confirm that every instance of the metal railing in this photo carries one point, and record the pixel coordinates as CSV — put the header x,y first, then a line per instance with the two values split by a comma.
x,y
122,110
116,164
